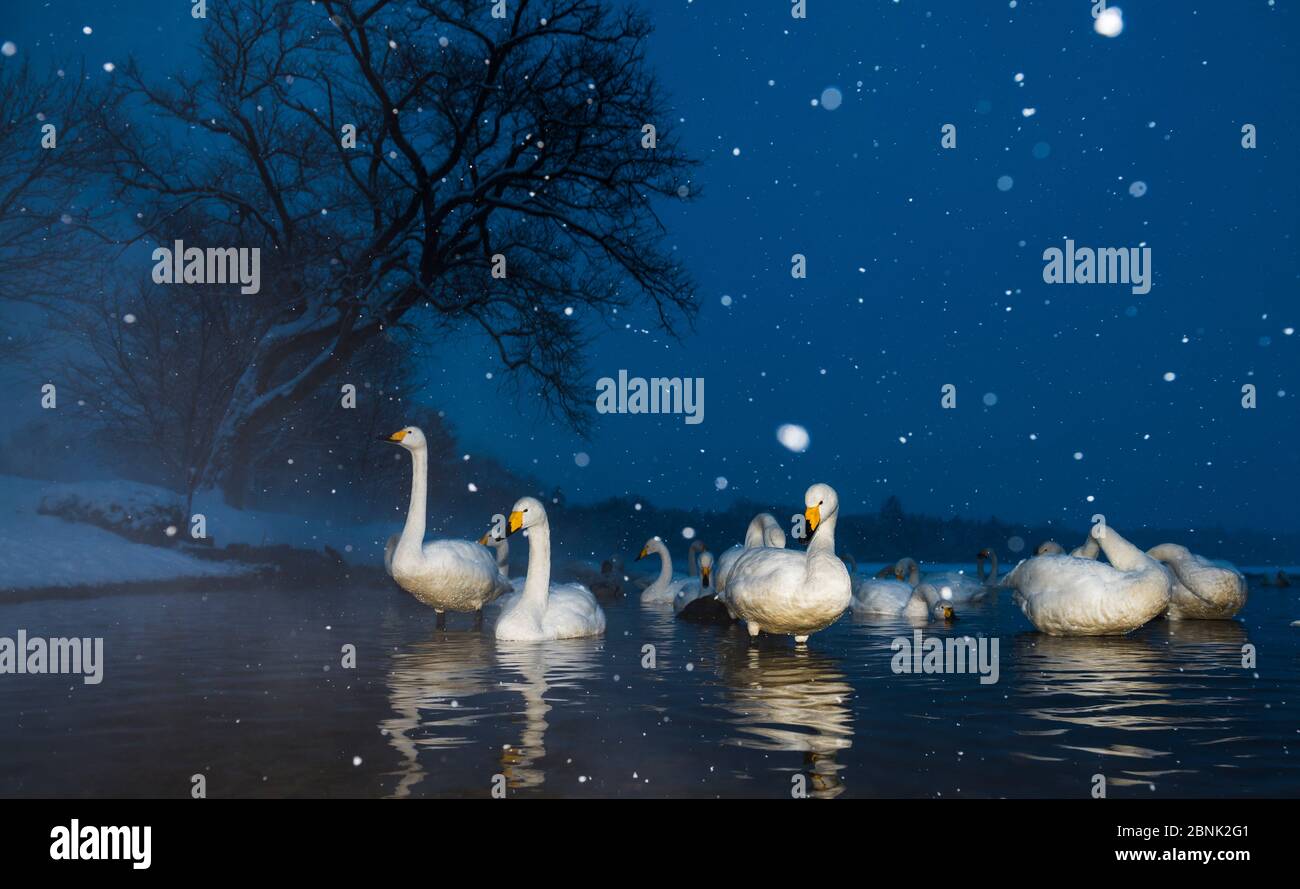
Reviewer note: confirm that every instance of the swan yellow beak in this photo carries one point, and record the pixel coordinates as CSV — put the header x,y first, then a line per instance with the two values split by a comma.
x,y
813,515
947,612
641,555
483,541
516,522
704,576
397,436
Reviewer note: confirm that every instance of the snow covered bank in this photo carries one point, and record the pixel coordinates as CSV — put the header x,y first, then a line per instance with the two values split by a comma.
x,y
38,551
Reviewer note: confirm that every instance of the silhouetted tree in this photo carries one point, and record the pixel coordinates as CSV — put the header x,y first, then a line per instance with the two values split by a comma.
x,y
476,138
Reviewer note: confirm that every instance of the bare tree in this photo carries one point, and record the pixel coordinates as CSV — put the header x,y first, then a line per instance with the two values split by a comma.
x,y
476,138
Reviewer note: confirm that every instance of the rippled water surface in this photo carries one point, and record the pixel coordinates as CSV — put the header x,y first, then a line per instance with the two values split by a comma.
x,y
246,688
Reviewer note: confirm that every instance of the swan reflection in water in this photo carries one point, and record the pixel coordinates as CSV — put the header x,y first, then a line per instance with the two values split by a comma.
x,y
441,689
1130,698
541,672
782,700
432,689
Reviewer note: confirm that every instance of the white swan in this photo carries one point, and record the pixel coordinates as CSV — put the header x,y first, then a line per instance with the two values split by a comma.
x,y
1070,596
950,586
502,547
1202,589
783,591
882,595
763,530
446,575
1089,549
544,611
992,580
665,586
697,599
692,557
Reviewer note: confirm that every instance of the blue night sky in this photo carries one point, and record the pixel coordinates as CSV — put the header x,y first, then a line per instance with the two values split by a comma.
x,y
922,272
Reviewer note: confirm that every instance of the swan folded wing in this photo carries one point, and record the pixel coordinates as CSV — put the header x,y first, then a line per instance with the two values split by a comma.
x,y
464,570
772,588
572,612
1069,595
881,597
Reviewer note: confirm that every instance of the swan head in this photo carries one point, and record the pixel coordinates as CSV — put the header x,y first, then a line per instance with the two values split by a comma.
x,y
984,554
706,568
410,438
904,567
1049,548
653,545
820,503
527,512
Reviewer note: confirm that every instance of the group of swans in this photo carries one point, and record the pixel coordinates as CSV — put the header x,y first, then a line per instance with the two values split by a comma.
x,y
1076,595
786,592
460,575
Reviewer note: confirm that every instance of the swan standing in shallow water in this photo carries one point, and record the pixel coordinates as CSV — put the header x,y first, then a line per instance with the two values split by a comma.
x,y
665,586
446,575
763,530
791,593
1202,589
1070,596
544,611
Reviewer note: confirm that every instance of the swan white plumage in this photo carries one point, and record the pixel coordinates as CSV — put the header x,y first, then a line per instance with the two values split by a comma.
x,y
544,611
697,597
1202,589
950,586
891,596
502,547
785,592
446,575
763,530
665,586
1070,596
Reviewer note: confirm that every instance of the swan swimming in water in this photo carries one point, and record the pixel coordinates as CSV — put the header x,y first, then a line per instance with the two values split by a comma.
x,y
1202,589
544,611
665,586
697,599
446,575
950,586
895,597
763,530
785,592
1070,596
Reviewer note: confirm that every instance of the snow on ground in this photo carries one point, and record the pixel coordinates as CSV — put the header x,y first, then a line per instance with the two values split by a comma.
x,y
45,551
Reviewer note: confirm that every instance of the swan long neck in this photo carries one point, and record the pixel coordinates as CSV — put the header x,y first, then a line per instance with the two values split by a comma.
x,y
537,582
413,533
1122,554
823,539
1089,550
914,571
692,566
1168,552
993,566
665,564
503,556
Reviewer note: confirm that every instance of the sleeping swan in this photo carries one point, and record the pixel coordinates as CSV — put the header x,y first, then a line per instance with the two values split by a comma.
x,y
1070,596
783,591
545,611
1202,590
446,575
899,598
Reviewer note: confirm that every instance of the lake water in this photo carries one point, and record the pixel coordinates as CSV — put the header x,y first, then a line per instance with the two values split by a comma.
x,y
246,688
